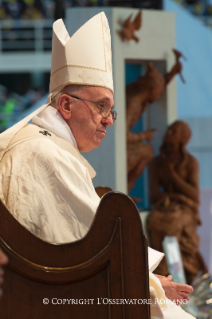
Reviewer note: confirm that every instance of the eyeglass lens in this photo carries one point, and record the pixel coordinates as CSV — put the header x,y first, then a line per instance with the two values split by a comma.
x,y
106,111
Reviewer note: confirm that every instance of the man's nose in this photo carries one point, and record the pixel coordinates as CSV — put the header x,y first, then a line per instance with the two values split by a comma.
x,y
108,120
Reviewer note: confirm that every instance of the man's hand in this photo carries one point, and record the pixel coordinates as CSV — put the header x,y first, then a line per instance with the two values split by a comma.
x,y
174,291
3,261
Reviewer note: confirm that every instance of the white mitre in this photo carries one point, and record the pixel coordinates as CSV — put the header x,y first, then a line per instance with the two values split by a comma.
x,y
83,59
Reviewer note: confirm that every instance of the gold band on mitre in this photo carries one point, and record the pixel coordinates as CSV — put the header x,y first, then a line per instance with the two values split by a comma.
x,y
70,63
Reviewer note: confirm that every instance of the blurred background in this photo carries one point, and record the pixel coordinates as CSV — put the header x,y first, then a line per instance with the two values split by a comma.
x,y
26,35
25,44
25,49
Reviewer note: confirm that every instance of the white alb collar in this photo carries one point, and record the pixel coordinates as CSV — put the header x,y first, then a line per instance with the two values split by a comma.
x,y
51,120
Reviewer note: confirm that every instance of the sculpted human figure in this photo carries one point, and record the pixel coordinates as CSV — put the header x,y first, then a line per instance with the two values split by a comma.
x,y
146,90
174,195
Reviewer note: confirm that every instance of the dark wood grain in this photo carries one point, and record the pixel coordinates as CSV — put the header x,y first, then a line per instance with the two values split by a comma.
x,y
109,262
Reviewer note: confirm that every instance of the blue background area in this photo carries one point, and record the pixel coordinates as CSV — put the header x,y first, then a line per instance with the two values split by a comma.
x,y
132,72
194,40
194,99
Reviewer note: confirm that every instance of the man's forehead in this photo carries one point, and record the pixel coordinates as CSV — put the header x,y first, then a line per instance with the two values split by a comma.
x,y
99,90
100,93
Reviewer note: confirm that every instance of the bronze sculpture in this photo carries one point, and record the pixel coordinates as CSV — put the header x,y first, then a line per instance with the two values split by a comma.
x,y
174,194
139,94
128,29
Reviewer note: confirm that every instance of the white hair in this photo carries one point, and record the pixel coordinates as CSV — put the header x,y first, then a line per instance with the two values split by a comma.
x,y
70,89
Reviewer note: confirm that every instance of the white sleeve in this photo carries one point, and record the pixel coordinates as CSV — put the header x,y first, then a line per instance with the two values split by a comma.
x,y
154,258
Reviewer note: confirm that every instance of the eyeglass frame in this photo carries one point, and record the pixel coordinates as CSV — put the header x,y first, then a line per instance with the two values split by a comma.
x,y
113,113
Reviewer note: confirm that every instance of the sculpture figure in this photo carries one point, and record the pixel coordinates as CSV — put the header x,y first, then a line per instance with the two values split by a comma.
x,y
128,29
174,194
139,94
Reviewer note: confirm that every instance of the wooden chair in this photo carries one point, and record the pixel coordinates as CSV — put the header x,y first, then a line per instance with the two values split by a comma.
x,y
110,262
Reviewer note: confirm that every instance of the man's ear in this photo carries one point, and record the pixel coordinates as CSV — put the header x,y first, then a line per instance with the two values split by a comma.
x,y
65,106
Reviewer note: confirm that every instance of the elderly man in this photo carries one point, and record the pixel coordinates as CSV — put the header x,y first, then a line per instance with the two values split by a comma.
x,y
45,182
3,261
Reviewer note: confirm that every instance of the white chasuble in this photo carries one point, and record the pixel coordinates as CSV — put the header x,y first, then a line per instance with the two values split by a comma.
x,y
49,190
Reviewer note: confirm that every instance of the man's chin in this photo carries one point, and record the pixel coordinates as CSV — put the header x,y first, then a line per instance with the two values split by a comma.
x,y
91,147
97,144
100,134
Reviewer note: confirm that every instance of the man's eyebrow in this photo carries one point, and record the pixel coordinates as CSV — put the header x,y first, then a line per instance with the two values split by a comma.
x,y
106,99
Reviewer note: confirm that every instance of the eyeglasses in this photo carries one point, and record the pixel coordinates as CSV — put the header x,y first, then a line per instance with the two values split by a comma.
x,y
102,108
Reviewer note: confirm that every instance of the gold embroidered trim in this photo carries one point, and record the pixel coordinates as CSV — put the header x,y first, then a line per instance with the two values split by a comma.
x,y
87,67
80,83
77,66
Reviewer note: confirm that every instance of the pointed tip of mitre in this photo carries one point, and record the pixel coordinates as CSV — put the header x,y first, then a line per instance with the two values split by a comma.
x,y
60,31
70,63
